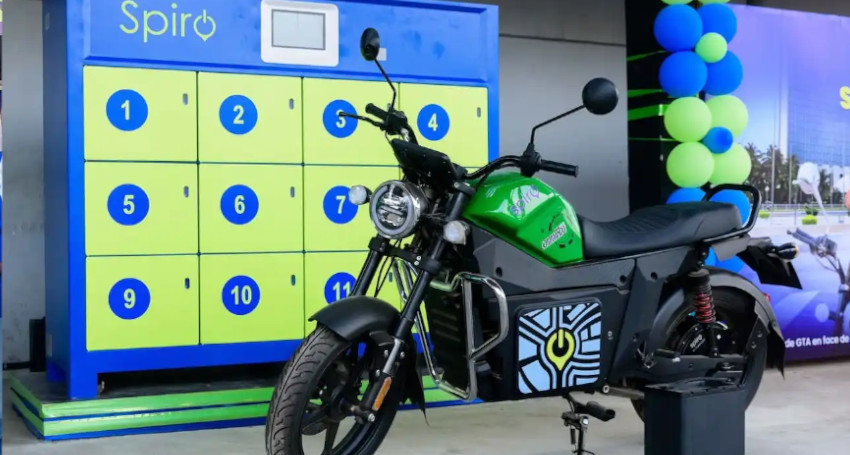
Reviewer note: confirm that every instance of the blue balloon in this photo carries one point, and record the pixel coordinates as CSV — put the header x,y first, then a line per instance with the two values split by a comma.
x,y
678,28
719,18
719,140
686,195
733,264
725,76
738,199
683,74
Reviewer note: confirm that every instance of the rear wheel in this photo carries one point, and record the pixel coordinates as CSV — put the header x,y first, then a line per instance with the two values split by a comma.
x,y
737,313
309,413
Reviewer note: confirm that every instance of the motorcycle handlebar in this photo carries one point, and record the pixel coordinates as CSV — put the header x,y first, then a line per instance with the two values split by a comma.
x,y
559,168
803,237
377,112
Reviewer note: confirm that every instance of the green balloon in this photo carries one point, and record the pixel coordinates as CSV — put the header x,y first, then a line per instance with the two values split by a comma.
x,y
690,165
733,166
687,119
712,47
708,2
678,2
729,112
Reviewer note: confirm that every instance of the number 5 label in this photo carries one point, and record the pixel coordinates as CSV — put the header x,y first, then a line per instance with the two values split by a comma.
x,y
128,205
239,204
238,114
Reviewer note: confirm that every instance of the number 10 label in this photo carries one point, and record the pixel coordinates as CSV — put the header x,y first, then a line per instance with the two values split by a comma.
x,y
240,295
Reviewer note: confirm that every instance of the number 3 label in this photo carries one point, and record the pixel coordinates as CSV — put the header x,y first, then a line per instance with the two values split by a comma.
x,y
238,114
239,204
337,207
127,110
336,126
129,299
433,122
128,205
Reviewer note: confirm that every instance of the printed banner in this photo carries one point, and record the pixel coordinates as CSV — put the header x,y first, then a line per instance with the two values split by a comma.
x,y
797,90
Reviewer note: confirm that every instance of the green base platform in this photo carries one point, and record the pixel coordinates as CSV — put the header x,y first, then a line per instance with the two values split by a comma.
x,y
151,409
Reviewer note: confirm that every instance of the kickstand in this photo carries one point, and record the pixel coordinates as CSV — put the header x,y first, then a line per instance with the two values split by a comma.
x,y
577,420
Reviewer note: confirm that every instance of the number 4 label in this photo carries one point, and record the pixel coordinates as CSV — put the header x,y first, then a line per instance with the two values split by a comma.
x,y
433,122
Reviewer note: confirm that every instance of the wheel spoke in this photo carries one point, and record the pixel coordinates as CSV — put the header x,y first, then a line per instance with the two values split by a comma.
x,y
315,418
330,438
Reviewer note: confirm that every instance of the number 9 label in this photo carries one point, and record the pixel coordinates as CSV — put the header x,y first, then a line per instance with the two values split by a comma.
x,y
339,286
128,204
129,299
127,110
339,127
238,114
239,204
337,207
433,122
240,295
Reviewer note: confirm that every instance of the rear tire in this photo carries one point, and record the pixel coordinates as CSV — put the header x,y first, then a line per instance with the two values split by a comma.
x,y
738,313
298,385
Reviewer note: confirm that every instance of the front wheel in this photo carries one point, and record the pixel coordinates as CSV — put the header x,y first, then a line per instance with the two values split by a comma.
x,y
310,410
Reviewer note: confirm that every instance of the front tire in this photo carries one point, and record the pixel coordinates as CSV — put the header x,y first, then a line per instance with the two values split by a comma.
x,y
305,380
738,313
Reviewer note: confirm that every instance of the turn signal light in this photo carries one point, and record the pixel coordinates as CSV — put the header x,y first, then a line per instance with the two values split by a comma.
x,y
382,394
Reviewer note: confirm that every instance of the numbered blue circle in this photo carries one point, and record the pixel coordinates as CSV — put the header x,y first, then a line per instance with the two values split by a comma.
x,y
433,122
129,299
238,114
337,126
339,286
128,204
337,207
127,110
240,295
239,204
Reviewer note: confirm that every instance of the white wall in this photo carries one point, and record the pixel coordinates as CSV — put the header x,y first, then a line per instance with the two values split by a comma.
x,y
23,192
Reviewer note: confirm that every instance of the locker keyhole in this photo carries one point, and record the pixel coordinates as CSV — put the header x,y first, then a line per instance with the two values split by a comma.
x,y
292,279
479,112
291,104
291,191
187,283
185,98
185,191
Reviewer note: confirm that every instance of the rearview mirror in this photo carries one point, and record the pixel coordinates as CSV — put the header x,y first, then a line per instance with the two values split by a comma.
x,y
600,96
370,44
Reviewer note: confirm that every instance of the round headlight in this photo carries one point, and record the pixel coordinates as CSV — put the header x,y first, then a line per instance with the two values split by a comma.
x,y
396,208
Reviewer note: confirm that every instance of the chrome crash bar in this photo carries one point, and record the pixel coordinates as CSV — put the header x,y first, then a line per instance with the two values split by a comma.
x,y
406,274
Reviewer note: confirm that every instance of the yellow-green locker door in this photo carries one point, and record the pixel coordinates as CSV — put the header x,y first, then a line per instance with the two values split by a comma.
x,y
251,208
450,119
141,302
139,114
332,222
252,297
330,139
249,119
141,208
331,277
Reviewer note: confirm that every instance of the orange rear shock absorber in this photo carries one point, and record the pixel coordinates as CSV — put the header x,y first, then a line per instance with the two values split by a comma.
x,y
699,291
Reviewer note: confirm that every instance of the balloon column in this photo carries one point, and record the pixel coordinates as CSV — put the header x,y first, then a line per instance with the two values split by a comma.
x,y
700,62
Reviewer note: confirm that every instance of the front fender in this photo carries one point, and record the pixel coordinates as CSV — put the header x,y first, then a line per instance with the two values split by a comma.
x,y
721,278
355,317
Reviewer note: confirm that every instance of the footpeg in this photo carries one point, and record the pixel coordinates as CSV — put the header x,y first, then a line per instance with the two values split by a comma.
x,y
577,420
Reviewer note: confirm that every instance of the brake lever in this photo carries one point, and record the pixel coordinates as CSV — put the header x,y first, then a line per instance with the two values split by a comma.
x,y
365,119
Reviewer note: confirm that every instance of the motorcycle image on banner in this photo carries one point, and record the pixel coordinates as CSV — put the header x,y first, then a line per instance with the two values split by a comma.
x,y
522,297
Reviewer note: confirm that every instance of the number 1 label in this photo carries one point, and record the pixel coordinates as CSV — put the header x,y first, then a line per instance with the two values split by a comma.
x,y
127,110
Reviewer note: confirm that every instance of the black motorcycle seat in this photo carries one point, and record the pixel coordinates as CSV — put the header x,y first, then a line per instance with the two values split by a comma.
x,y
657,228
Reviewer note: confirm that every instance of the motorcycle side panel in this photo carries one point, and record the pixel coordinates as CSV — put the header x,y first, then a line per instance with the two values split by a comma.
x,y
530,215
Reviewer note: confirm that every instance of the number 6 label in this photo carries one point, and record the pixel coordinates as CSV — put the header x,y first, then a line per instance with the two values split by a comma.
x,y
239,204
128,204
129,299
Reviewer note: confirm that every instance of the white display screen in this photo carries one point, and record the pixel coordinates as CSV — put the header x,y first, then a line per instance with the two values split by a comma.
x,y
298,29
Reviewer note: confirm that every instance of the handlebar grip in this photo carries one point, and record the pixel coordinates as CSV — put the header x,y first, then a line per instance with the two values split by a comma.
x,y
376,111
803,237
559,168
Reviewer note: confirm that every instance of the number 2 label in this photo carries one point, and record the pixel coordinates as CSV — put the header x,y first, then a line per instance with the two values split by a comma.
x,y
238,114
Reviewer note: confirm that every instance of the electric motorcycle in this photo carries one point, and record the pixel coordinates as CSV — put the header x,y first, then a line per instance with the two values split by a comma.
x,y
825,248
524,298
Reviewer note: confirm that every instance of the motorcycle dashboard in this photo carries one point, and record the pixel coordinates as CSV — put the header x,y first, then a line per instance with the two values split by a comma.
x,y
426,166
